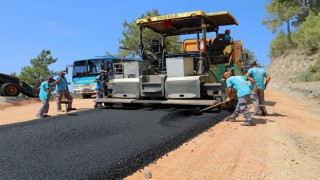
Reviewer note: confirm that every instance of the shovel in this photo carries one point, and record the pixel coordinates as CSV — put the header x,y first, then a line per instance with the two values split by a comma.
x,y
200,111
213,106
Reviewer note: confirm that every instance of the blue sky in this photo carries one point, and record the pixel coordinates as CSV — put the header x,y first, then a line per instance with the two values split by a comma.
x,y
74,29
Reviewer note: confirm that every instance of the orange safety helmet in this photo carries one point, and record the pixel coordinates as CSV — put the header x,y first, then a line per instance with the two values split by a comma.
x,y
227,73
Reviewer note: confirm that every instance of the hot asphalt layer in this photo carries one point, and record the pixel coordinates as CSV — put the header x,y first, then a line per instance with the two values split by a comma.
x,y
95,144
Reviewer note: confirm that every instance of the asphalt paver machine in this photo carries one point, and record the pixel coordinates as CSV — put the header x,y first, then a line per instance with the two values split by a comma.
x,y
192,76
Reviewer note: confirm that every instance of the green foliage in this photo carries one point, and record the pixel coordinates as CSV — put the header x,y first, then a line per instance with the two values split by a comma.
x,y
303,15
307,38
280,11
310,74
38,71
251,55
280,45
110,54
308,34
302,77
130,42
306,6
14,74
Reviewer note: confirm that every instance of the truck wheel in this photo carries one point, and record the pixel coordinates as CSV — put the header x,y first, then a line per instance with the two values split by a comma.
x,y
9,89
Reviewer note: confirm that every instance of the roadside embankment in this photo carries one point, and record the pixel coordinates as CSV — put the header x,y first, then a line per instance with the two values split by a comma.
x,y
285,72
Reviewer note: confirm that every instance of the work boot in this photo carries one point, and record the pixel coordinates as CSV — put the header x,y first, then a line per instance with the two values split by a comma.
x,y
231,119
70,109
248,123
264,113
39,116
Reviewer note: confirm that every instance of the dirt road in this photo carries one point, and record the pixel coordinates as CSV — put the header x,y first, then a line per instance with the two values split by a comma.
x,y
25,111
283,145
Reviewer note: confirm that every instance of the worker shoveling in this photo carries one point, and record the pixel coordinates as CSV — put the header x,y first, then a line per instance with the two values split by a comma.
x,y
198,111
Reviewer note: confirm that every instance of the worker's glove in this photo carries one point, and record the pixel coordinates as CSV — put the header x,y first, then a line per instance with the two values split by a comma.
x,y
228,99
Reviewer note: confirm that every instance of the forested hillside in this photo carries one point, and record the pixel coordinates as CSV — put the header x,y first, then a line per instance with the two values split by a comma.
x,y
290,71
295,51
296,23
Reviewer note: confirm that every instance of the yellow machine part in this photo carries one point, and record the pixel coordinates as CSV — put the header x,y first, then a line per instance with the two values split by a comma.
x,y
236,54
192,45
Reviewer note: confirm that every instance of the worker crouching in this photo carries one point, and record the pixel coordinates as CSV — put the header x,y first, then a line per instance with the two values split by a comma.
x,y
44,96
243,92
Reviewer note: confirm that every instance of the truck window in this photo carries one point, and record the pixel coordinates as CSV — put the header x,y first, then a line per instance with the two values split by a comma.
x,y
79,68
95,66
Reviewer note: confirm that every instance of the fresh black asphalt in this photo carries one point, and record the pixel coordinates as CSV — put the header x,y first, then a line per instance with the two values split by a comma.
x,y
95,144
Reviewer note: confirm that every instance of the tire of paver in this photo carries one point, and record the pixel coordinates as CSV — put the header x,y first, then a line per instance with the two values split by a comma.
x,y
9,89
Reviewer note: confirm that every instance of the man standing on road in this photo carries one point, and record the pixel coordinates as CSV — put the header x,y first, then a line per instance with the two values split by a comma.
x,y
104,83
45,95
62,91
100,87
259,75
239,83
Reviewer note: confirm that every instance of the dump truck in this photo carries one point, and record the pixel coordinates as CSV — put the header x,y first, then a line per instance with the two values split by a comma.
x,y
190,77
12,86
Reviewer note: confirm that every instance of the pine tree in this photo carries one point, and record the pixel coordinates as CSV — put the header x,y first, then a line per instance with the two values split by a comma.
x,y
38,71
130,42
